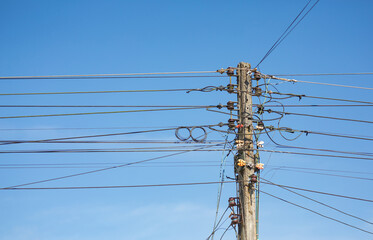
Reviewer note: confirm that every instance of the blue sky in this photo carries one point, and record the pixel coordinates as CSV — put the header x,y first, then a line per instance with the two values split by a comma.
x,y
88,37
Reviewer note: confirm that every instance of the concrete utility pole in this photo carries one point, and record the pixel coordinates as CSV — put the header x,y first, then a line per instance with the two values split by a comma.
x,y
247,207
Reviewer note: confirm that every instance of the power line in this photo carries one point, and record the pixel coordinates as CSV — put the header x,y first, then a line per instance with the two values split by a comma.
x,y
315,212
313,154
112,134
318,97
318,116
327,174
110,91
93,136
110,106
102,75
111,112
178,106
97,170
320,83
110,187
368,138
319,169
321,203
81,128
120,141
111,150
328,150
286,32
323,74
317,105
324,193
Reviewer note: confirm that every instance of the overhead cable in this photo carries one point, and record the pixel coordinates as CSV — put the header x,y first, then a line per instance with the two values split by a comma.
x,y
318,116
323,74
300,96
98,170
315,212
110,112
101,75
320,83
111,187
287,31
321,203
327,174
324,193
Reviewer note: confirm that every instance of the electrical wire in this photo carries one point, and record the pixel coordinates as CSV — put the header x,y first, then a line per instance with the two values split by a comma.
x,y
93,136
324,193
321,203
187,90
319,83
315,212
102,75
110,150
98,170
120,141
327,174
312,154
283,35
94,92
327,150
91,113
110,187
216,225
317,169
109,106
318,97
318,116
326,134
323,74
317,105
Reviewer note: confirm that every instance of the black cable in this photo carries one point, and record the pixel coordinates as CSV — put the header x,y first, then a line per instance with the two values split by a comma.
x,y
92,113
291,29
286,30
317,105
300,96
109,77
315,212
318,116
217,225
286,129
322,74
225,232
321,203
120,141
327,174
109,187
327,150
98,170
312,154
317,169
112,150
109,106
324,193
107,135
